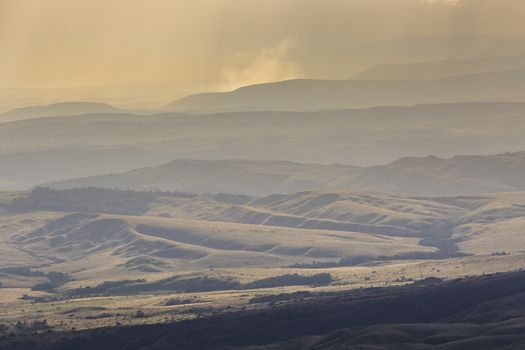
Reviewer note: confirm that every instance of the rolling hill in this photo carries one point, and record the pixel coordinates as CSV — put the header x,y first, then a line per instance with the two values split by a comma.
x,y
87,245
474,224
59,109
100,255
427,176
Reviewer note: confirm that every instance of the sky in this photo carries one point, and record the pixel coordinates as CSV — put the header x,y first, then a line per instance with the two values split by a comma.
x,y
148,52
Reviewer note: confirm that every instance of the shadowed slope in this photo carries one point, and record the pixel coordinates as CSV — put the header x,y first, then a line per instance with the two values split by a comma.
x,y
478,313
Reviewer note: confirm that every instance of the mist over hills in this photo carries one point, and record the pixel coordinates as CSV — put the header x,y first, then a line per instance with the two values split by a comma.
x,y
23,170
426,176
342,62
42,150
430,58
346,61
309,95
398,72
59,109
130,129
216,176
441,69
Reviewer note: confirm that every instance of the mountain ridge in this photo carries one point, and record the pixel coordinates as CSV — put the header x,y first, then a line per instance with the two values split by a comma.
x,y
314,94
408,175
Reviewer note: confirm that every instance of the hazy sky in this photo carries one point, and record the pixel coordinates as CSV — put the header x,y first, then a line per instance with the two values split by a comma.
x,y
170,48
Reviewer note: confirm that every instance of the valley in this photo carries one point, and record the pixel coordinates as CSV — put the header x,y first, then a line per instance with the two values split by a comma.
x,y
243,175
115,252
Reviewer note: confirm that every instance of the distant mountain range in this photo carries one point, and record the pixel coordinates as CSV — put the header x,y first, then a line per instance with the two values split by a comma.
x,y
406,58
44,150
441,69
311,95
428,176
59,109
351,60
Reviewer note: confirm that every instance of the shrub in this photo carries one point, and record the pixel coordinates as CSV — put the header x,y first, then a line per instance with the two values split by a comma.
x,y
139,314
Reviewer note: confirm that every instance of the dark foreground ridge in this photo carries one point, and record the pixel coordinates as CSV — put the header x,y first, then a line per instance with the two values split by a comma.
x,y
485,312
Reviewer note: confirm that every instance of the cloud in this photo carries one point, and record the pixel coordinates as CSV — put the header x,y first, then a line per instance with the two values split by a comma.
x,y
265,65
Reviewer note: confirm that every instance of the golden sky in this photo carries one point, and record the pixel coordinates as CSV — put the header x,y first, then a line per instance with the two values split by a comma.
x,y
175,47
